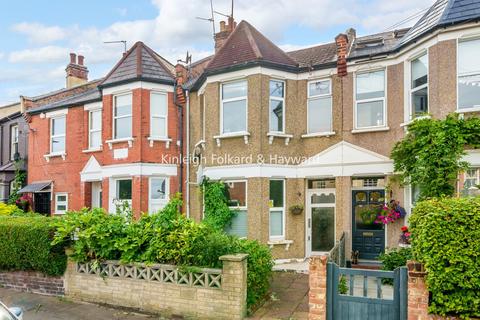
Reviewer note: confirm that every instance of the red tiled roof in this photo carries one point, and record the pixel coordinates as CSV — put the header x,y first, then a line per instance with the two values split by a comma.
x,y
316,55
247,44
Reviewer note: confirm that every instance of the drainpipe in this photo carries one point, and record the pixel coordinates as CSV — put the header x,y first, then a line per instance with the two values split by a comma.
x,y
187,138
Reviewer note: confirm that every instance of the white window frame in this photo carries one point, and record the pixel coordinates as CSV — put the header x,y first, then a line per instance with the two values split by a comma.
x,y
14,133
384,100
90,130
222,101
276,209
311,97
277,99
241,208
57,202
159,116
477,177
64,135
114,118
161,202
473,108
423,86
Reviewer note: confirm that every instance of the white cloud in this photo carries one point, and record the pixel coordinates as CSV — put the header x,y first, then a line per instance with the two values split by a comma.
x,y
175,30
2,55
39,55
38,33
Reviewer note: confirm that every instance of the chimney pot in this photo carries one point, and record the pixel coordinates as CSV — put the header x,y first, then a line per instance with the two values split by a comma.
x,y
225,31
80,59
222,26
73,58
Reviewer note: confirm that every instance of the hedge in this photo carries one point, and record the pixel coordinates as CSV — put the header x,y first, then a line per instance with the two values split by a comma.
x,y
25,244
446,239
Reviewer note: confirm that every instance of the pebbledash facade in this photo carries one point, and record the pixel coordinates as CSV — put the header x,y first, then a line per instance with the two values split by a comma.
x,y
102,143
315,127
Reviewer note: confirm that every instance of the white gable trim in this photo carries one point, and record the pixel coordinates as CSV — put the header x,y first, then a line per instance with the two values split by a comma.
x,y
135,85
340,160
93,171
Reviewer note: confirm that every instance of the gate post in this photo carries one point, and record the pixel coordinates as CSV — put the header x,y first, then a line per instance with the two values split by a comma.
x,y
317,295
417,291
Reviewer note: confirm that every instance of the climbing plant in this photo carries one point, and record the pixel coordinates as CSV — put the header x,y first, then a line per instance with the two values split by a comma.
x,y
19,181
430,154
216,211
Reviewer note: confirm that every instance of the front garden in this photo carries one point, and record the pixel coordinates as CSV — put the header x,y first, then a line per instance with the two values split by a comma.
x,y
34,242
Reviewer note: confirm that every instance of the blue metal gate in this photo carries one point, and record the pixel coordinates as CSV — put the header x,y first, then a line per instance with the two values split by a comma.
x,y
366,294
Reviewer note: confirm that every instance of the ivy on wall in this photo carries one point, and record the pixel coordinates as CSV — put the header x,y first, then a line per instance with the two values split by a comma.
x,y
215,198
430,154
19,181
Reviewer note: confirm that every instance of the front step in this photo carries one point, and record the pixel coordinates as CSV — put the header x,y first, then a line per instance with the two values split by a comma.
x,y
367,264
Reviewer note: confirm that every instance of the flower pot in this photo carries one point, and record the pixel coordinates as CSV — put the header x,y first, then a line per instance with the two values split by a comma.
x,y
296,211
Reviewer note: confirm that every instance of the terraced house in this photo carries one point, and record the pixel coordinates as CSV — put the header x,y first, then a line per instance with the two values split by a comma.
x,y
315,127
100,143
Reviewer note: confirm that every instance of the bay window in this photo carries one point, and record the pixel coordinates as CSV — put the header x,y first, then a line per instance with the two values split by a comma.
x,y
237,200
370,100
468,74
13,141
319,106
95,129
122,116
234,107
57,134
277,209
419,86
158,115
277,106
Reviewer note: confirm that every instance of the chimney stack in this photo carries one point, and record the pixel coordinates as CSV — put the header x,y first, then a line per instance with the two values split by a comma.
x,y
344,43
225,31
77,73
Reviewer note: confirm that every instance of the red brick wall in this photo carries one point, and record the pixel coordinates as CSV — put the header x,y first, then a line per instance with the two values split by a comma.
x,y
30,281
66,173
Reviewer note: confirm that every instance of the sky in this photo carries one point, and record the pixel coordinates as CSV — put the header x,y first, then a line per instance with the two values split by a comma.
x,y
38,35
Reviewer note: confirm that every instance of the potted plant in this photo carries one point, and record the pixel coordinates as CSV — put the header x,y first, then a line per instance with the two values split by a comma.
x,y
404,237
296,209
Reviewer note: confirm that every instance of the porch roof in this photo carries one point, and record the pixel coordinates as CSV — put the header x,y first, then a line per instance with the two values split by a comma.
x,y
36,186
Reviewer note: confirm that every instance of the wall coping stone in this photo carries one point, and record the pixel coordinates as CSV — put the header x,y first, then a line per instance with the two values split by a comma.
x,y
234,257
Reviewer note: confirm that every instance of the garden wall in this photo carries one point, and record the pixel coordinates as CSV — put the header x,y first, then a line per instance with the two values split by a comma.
x,y
32,281
165,289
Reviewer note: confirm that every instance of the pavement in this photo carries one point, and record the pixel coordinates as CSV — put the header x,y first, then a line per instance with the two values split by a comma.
x,y
40,307
289,299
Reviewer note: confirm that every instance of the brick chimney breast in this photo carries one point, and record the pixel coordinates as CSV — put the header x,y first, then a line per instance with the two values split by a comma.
x,y
342,50
225,31
76,73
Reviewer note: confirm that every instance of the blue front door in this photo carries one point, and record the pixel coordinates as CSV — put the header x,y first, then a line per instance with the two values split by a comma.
x,y
368,237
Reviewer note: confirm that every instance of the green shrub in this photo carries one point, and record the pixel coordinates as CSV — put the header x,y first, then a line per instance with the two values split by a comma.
x,y
8,209
393,259
25,244
165,237
446,239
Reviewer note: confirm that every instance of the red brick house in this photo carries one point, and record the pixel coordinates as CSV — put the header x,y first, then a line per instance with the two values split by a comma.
x,y
113,140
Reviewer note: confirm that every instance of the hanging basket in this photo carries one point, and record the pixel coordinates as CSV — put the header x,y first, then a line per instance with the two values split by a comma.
x,y
296,209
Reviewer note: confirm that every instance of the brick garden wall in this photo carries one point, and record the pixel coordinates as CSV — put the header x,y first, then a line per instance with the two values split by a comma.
x,y
164,289
30,281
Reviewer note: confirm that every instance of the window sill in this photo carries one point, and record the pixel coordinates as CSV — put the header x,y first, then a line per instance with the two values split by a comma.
x,y
113,141
370,130
287,243
243,134
406,124
92,150
272,135
55,154
318,134
468,110
160,139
